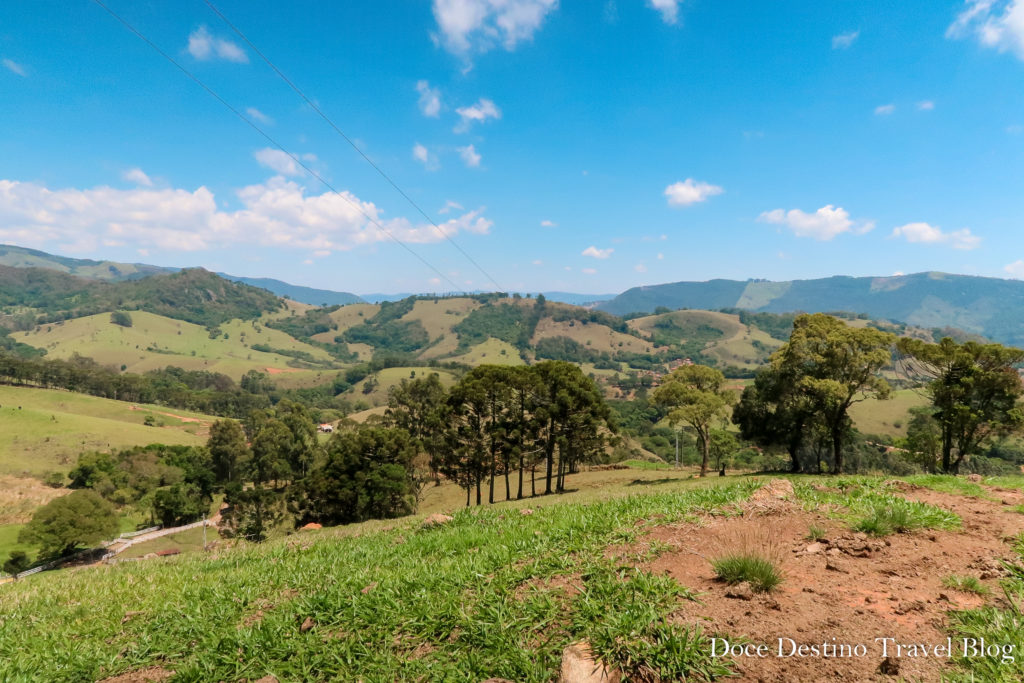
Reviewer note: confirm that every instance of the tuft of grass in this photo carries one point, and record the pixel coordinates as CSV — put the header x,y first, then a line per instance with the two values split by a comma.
x,y
948,483
815,533
891,514
760,571
965,584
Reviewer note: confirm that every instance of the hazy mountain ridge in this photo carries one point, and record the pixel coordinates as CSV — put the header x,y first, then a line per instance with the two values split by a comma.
x,y
991,307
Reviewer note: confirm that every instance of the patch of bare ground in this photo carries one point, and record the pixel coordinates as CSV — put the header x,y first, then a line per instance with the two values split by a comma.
x,y
20,497
844,588
152,674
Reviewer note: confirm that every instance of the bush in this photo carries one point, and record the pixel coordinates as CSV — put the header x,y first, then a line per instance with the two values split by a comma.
x,y
17,562
121,318
759,571
63,524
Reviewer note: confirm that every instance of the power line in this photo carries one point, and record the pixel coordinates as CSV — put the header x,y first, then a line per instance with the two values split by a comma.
x,y
274,142
347,139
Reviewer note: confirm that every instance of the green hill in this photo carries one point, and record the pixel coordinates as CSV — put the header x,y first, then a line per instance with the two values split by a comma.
x,y
990,307
21,257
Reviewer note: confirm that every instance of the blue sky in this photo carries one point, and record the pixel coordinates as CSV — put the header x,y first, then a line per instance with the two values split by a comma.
x,y
582,146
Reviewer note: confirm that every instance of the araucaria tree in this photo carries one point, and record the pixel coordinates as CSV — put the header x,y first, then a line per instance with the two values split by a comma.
x,y
693,395
974,390
418,407
832,366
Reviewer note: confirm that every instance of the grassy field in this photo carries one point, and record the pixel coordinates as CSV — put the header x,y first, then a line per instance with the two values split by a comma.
x,y
154,341
889,417
389,377
594,337
492,352
46,429
499,591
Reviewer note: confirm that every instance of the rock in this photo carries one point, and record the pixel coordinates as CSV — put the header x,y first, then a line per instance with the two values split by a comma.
x,y
741,591
436,519
307,625
580,666
814,548
831,565
889,667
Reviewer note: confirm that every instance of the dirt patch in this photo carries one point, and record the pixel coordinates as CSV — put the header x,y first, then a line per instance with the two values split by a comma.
x,y
843,588
152,674
20,497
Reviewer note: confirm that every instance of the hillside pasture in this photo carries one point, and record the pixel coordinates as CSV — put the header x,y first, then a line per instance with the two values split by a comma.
x,y
438,317
887,418
45,430
593,336
155,341
390,377
491,352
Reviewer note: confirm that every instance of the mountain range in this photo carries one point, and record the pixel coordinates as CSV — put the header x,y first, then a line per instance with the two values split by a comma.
x,y
991,307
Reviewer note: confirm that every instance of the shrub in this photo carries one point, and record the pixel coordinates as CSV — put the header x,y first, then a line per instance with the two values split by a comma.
x,y
121,318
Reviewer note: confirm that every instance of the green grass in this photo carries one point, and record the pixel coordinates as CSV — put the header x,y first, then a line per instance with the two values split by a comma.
x,y
46,429
646,465
815,533
154,341
889,515
9,541
966,584
388,601
948,483
761,572
1000,623
890,417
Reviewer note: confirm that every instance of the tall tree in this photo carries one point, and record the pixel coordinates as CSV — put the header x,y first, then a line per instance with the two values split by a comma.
x,y
228,450
80,518
418,407
974,390
834,366
694,396
773,411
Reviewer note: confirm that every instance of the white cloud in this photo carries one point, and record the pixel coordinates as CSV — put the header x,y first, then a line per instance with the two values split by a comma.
x,y
277,161
669,9
256,114
1015,269
137,176
448,206
925,105
481,111
885,109
478,25
923,233
548,224
661,257
14,67
589,271
823,225
844,40
430,99
203,45
278,213
640,268
470,157
537,262
425,157
997,24
690,192
594,252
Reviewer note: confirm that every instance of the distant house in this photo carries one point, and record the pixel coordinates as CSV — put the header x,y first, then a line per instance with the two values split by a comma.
x,y
326,428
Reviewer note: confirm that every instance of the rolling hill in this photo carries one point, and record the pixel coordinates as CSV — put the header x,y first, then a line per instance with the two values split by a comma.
x,y
990,307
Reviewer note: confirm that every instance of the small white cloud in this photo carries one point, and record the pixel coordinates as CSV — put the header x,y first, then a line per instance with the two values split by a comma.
x,y
640,268
925,105
594,252
434,281
14,67
923,233
568,268
548,224
430,99
661,257
204,46
470,157
537,262
478,25
137,176
589,271
898,273
690,191
669,9
884,109
997,24
477,113
277,161
448,206
1015,269
844,40
424,156
257,115
823,225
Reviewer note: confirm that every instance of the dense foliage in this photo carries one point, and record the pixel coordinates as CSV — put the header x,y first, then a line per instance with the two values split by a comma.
x,y
65,523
